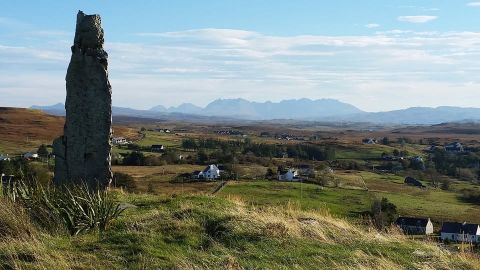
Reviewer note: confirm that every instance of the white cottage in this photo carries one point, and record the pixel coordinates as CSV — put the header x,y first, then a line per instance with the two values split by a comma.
x,y
211,172
119,140
415,226
460,232
288,175
30,155
4,157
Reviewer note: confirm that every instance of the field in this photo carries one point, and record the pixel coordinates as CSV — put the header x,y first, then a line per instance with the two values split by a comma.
x,y
248,221
349,200
205,232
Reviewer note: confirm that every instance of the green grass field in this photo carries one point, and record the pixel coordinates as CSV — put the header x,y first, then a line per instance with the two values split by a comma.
x,y
206,232
437,204
167,139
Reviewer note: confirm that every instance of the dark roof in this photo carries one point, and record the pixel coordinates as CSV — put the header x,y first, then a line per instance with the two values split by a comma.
x,y
455,227
157,145
304,166
411,221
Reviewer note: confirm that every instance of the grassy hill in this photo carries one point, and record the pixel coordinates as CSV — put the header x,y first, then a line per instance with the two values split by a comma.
x,y
206,232
26,129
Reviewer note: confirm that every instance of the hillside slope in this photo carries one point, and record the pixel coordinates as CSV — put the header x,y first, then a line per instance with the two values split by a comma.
x,y
204,232
26,129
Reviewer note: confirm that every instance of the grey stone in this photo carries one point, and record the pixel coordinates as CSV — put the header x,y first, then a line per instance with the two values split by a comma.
x,y
83,153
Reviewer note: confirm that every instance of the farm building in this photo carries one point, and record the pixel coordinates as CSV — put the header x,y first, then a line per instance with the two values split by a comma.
x,y
369,141
413,182
211,172
417,226
157,148
288,175
119,140
454,147
30,155
460,232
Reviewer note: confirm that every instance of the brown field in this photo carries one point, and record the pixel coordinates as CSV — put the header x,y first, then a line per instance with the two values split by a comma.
x,y
159,179
25,129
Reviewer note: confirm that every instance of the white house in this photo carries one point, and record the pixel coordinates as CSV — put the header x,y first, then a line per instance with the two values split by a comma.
x,y
416,226
369,141
119,140
157,148
288,175
211,172
454,147
460,232
30,155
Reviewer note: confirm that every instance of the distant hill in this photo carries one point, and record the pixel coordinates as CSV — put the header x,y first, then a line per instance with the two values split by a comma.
x,y
286,109
55,109
328,110
185,108
26,129
417,115
240,109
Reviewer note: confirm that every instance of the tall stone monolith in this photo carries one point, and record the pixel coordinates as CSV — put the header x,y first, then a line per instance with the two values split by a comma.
x,y
82,154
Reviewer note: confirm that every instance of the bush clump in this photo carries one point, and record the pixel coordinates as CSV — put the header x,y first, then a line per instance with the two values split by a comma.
x,y
75,208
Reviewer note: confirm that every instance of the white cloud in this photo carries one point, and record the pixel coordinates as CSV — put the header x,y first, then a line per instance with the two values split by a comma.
x,y
200,65
372,25
474,4
417,19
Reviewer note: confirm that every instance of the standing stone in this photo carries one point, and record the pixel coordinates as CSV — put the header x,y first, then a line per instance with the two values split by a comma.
x,y
82,154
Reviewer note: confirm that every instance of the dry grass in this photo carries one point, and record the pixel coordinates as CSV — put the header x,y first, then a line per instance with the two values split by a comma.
x,y
14,221
159,179
26,129
205,232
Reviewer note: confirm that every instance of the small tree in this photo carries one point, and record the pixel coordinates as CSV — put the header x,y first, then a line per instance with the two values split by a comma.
x,y
134,159
43,151
202,157
383,213
385,141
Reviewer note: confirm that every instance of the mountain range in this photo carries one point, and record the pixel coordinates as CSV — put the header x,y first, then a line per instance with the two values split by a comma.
x,y
327,110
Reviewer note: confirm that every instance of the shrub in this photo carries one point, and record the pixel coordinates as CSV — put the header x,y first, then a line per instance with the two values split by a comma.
x,y
445,184
134,159
383,213
472,196
77,208
466,174
124,180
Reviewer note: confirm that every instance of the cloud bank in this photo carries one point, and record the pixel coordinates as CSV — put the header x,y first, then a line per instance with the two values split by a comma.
x,y
382,71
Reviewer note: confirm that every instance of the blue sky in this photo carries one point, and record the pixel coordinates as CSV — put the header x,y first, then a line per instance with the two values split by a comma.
x,y
378,55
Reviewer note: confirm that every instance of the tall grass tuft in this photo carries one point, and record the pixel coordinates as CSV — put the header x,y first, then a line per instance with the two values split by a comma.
x,y
14,221
74,208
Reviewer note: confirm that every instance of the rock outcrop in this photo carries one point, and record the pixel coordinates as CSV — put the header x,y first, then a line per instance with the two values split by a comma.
x,y
83,153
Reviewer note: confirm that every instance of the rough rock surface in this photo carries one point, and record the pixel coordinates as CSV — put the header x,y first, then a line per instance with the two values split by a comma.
x,y
83,152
